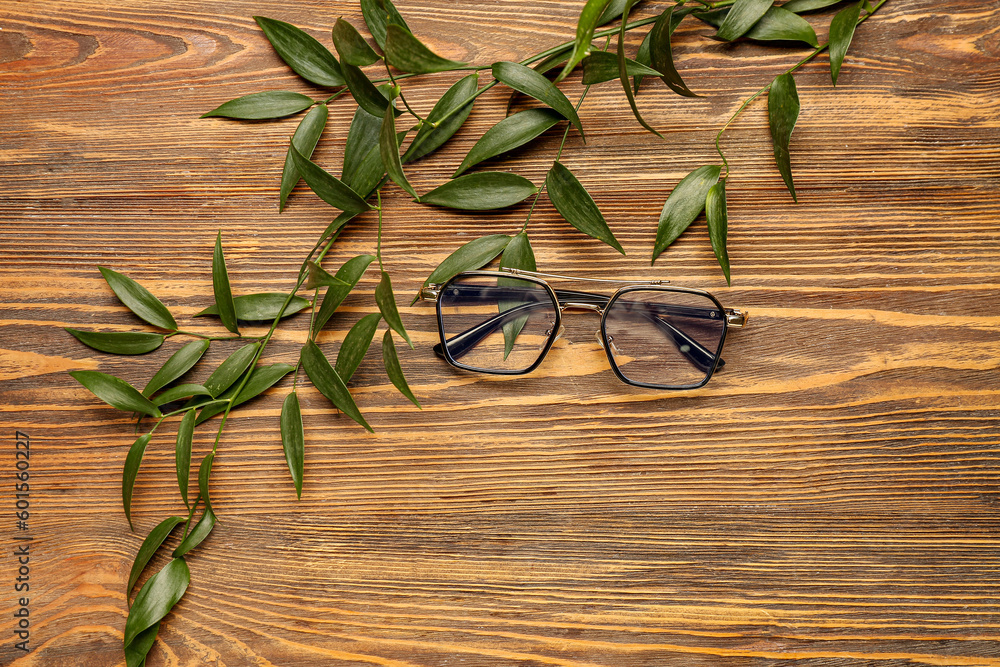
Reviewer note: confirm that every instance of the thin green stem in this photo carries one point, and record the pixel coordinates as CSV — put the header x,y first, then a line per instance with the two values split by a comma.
x,y
402,97
303,271
204,337
562,144
378,247
600,33
310,334
527,61
421,138
818,50
191,510
200,405
335,95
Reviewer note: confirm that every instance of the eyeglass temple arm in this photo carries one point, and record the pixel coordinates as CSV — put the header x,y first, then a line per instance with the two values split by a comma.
x,y
462,343
695,352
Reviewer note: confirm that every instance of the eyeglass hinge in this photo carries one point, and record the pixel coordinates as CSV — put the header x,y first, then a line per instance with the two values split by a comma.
x,y
430,293
736,318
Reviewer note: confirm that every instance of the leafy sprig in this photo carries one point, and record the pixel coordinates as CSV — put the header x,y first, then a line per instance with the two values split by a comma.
x,y
377,153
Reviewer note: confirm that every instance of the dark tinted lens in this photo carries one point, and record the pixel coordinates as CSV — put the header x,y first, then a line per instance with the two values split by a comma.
x,y
500,325
664,338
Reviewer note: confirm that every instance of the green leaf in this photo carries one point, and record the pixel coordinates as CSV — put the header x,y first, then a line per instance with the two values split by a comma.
x,y
261,379
585,25
371,171
661,55
576,205
182,453
408,54
327,186
302,52
149,547
351,46
389,151
781,25
472,255
197,534
139,300
641,57
355,345
261,307
482,191
361,139
223,292
293,439
741,17
543,66
306,137
508,134
261,106
386,301
554,60
677,15
713,17
379,14
799,6
346,278
528,81
157,597
612,12
718,224
601,66
119,342
135,653
337,224
317,276
683,205
623,75
204,472
390,359
782,112
132,462
329,383
841,33
116,392
231,369
428,138
179,363
365,93
517,255
179,392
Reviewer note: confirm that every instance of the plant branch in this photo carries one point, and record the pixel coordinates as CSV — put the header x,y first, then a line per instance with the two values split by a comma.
x,y
818,50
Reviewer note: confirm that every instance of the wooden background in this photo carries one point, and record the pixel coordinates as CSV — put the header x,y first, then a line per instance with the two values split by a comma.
x,y
829,499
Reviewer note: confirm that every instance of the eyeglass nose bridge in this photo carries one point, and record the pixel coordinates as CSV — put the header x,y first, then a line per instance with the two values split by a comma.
x,y
581,306
576,305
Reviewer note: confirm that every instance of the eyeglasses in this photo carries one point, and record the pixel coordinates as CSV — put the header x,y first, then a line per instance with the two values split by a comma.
x,y
504,322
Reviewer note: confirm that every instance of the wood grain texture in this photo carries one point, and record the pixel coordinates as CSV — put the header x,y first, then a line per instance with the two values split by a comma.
x,y
829,499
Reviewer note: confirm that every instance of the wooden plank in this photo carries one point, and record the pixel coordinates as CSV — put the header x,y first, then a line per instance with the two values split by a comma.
x,y
828,499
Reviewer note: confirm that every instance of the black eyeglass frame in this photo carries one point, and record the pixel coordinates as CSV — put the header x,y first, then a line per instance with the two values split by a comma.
x,y
446,352
717,354
729,317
